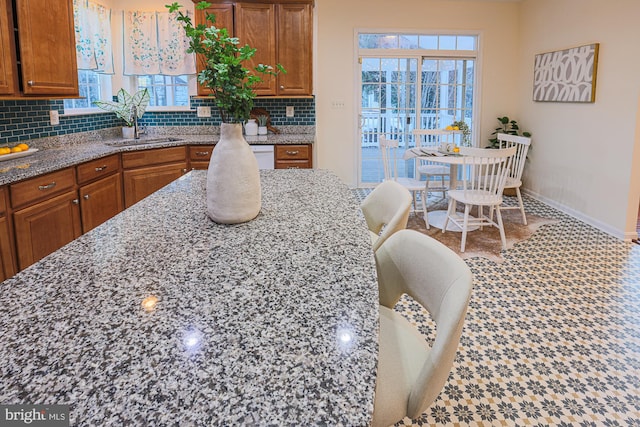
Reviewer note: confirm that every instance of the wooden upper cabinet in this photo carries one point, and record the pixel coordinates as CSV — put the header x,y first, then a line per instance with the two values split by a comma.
x,y
8,70
281,31
47,47
256,26
295,49
224,19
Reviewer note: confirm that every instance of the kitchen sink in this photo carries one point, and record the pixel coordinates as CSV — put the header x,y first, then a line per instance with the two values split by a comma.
x,y
141,141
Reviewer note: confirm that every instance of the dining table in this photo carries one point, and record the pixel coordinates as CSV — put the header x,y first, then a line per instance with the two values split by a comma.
x,y
161,316
454,160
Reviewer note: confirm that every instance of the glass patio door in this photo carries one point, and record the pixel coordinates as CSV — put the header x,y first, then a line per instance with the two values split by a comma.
x,y
411,82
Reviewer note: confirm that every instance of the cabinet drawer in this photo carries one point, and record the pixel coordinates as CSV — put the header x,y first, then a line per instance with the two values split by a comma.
x,y
293,164
292,152
198,153
41,187
136,159
98,168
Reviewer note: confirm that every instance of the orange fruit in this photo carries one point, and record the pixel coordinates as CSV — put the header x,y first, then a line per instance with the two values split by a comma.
x,y
4,150
23,146
16,149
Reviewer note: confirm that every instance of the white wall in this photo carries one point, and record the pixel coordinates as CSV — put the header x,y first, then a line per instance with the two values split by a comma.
x,y
583,154
335,63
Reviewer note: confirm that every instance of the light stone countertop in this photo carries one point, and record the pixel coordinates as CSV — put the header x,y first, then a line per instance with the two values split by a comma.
x,y
70,150
270,322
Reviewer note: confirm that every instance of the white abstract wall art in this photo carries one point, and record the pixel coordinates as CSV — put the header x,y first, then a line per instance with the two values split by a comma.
x,y
566,75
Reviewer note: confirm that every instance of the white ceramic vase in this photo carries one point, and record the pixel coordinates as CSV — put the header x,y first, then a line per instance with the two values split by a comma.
x,y
127,132
233,179
251,127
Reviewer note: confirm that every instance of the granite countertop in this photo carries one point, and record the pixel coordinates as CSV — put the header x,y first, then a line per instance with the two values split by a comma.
x,y
71,150
270,322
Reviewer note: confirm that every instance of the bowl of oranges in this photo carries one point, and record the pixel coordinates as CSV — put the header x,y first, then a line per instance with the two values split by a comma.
x,y
19,150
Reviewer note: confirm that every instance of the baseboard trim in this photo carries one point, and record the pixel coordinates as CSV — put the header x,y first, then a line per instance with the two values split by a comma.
x,y
617,233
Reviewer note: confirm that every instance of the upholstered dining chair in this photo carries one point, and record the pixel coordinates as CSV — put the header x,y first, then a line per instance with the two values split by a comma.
x,y
433,138
389,148
514,176
484,172
386,210
411,373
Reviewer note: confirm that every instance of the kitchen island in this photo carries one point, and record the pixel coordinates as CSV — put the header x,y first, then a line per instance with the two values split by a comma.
x,y
162,317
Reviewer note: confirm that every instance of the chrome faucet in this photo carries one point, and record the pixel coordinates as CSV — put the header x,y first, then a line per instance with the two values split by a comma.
x,y
134,113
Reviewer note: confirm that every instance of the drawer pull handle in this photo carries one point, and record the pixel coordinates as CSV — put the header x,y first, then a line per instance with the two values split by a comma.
x,y
101,168
293,167
86,197
292,153
46,187
202,153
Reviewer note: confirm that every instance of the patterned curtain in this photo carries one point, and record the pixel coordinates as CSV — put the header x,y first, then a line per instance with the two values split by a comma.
x,y
155,43
93,36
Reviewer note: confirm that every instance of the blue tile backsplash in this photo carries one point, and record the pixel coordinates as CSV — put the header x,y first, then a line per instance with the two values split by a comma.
x,y
26,119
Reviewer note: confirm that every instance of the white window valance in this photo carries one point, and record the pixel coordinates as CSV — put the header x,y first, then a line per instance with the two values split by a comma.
x,y
93,36
155,43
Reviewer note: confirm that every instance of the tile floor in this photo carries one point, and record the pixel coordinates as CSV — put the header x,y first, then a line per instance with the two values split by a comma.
x,y
552,335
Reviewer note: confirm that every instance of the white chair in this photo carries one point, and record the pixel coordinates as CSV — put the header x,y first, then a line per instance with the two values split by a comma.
x,y
484,172
389,147
386,210
411,373
514,177
433,138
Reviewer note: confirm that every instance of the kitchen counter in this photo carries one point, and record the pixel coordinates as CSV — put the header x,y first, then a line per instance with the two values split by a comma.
x,y
270,322
61,155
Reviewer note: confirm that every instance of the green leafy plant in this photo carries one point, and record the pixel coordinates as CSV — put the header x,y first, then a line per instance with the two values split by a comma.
x,y
466,132
262,120
507,126
222,58
124,106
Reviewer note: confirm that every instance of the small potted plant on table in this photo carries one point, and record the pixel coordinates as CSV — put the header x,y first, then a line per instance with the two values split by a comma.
x,y
128,107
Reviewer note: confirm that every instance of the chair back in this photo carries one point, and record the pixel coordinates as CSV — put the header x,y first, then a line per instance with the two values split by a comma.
x,y
522,144
439,280
388,148
485,170
386,210
432,138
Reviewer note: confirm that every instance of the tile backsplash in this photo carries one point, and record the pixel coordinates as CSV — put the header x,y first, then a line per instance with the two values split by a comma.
x,y
22,120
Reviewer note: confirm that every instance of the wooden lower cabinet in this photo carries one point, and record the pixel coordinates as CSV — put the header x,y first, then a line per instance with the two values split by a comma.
x,y
293,156
141,182
199,156
100,201
7,263
45,227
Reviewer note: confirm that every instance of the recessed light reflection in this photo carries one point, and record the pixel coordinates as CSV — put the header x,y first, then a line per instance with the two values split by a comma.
x,y
149,303
192,340
345,338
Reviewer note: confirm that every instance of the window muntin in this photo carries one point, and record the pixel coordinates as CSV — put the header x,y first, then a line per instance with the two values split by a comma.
x,y
417,41
92,87
165,91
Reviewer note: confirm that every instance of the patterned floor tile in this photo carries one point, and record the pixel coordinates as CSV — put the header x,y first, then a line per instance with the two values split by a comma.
x,y
552,335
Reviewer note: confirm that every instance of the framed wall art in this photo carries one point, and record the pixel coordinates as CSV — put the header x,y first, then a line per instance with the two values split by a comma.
x,y
566,75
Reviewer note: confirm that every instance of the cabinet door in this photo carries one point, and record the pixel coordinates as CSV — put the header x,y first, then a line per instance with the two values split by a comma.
x,y
100,201
256,26
47,47
8,81
7,267
139,183
295,49
224,19
45,227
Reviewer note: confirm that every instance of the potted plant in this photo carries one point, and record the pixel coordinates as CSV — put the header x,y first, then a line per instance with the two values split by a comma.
x,y
128,107
262,124
233,179
507,126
